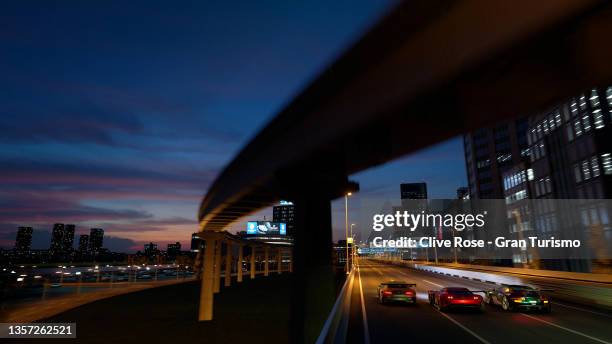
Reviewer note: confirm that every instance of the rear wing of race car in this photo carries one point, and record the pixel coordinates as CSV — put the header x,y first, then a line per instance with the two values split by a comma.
x,y
406,284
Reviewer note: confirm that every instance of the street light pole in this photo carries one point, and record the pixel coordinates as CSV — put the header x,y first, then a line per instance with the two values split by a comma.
x,y
346,229
353,246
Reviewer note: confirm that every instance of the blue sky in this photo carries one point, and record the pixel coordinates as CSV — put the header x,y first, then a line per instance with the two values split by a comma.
x,y
120,114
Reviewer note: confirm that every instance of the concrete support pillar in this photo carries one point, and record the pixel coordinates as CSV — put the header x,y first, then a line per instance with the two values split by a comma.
x,y
206,290
279,261
252,269
313,287
239,264
228,264
217,282
266,259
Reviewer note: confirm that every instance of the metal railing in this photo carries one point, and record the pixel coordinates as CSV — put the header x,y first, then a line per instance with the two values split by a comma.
x,y
335,328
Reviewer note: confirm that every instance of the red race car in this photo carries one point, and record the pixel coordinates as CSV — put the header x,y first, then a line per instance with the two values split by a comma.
x,y
456,297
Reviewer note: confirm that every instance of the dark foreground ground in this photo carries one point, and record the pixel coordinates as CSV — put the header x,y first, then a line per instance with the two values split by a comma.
x,y
254,311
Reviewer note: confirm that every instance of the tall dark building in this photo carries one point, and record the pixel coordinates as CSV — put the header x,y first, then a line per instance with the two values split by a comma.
x,y
284,213
68,238
174,249
96,239
463,193
413,191
84,243
57,237
571,148
150,249
489,152
23,242
197,244
570,152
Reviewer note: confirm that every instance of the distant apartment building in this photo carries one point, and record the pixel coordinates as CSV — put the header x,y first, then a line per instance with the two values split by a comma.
x,y
83,243
463,193
413,191
23,242
57,239
562,153
174,250
96,239
197,244
62,239
68,239
284,213
150,249
491,151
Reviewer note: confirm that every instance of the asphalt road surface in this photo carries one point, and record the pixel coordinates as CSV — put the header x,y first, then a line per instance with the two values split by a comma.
x,y
422,323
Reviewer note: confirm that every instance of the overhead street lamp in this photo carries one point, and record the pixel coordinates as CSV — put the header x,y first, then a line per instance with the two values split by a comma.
x,y
346,227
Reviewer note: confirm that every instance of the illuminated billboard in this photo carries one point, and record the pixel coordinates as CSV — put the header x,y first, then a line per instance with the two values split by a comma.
x,y
266,228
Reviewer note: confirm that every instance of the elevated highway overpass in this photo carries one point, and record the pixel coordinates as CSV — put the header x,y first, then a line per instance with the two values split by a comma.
x,y
430,70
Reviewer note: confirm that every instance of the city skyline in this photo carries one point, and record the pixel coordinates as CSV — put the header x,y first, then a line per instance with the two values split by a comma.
x,y
120,140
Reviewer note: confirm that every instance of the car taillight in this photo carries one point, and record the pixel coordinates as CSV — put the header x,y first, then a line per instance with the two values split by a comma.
x,y
449,297
475,297
387,293
409,293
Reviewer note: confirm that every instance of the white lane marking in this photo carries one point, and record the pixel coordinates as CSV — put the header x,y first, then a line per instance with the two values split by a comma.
x,y
582,309
436,284
482,340
378,271
567,329
366,330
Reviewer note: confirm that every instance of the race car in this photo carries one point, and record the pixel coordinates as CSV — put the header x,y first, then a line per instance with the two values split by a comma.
x,y
456,297
518,297
397,291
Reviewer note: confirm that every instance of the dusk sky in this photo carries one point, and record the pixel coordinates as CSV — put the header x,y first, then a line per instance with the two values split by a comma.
x,y
120,115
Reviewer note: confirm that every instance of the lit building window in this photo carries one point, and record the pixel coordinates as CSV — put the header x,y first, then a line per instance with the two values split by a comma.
x,y
598,118
558,119
586,123
577,127
606,163
530,174
583,103
574,108
594,98
595,166
586,171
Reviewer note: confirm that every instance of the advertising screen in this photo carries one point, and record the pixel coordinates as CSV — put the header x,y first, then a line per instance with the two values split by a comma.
x,y
266,228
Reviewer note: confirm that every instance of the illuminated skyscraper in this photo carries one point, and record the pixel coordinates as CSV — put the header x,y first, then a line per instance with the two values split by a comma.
x,y
489,152
57,236
84,243
284,212
96,239
68,239
23,242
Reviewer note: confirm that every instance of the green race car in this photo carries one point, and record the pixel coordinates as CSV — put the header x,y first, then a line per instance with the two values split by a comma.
x,y
518,297
397,291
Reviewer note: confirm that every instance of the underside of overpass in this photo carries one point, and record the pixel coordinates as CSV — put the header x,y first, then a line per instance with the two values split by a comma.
x,y
430,70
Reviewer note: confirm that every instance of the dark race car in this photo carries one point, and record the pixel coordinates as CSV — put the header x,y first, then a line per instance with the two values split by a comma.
x,y
518,297
456,298
397,291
